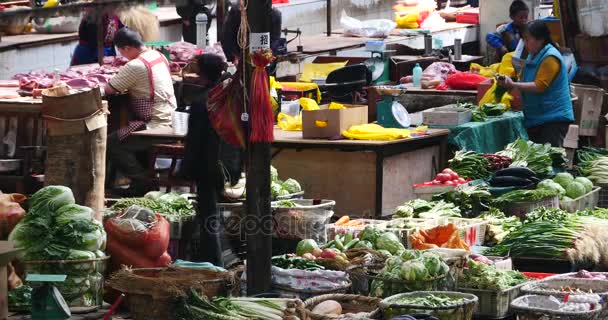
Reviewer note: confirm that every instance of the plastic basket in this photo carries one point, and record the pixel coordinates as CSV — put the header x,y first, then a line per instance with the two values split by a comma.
x,y
306,221
552,287
521,209
472,231
494,304
522,306
603,196
587,201
427,192
89,274
458,311
365,280
333,229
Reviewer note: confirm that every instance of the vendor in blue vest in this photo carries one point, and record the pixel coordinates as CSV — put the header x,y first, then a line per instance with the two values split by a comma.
x,y
544,86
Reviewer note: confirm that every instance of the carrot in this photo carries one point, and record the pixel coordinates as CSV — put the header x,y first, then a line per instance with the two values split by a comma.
x,y
342,221
354,223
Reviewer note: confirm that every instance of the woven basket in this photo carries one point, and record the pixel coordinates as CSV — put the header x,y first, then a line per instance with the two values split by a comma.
x,y
363,277
151,291
286,291
526,312
461,311
552,286
350,304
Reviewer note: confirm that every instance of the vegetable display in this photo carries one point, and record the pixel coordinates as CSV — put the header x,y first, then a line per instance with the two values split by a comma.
x,y
470,165
517,196
416,270
293,262
595,170
499,226
498,162
518,177
493,109
436,300
419,208
197,307
537,157
470,199
172,205
481,276
280,188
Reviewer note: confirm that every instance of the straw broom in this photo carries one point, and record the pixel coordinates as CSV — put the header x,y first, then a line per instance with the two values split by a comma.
x,y
142,20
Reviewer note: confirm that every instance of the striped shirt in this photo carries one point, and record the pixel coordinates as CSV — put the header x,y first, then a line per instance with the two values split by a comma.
x,y
133,78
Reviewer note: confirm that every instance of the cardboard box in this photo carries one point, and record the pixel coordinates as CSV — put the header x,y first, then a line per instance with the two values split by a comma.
x,y
590,99
337,121
446,116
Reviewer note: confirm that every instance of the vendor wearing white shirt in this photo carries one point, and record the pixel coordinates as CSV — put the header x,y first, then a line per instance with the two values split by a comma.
x,y
147,80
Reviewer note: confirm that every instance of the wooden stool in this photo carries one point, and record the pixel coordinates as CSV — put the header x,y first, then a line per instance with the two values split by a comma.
x,y
174,152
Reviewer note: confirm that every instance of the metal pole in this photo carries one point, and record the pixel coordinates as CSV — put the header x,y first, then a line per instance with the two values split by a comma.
x,y
328,14
201,30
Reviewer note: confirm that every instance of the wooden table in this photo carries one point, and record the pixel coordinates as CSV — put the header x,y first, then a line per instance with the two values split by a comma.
x,y
365,178
7,253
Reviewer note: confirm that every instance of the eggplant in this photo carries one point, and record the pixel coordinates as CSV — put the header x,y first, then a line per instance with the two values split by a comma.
x,y
509,181
521,172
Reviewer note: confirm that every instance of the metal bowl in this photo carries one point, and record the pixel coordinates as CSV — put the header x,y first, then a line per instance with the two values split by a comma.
x,y
9,165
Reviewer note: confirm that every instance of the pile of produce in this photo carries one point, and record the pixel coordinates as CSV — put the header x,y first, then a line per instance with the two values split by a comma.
x,y
385,242
435,300
518,177
412,270
499,226
596,170
584,274
423,209
470,165
345,221
497,161
447,177
172,206
55,228
280,188
493,109
519,196
470,199
330,256
446,236
541,159
293,262
482,276
197,307
568,187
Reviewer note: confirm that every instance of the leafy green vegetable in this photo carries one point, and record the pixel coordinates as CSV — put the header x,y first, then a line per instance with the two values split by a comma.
x,y
481,276
435,300
586,182
516,196
493,109
551,185
370,234
48,199
564,179
73,212
575,190
20,299
468,164
548,214
170,205
291,262
537,157
292,186
274,174
390,242
427,209
499,226
470,199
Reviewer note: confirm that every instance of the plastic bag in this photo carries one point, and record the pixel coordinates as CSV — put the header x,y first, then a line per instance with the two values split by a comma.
x,y
309,104
152,243
289,123
373,131
407,21
378,28
309,281
433,21
491,97
464,81
319,70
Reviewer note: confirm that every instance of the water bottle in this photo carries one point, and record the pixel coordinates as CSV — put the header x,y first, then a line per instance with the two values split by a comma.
x,y
417,75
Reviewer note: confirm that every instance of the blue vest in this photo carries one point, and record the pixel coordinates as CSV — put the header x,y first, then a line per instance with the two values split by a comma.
x,y
553,105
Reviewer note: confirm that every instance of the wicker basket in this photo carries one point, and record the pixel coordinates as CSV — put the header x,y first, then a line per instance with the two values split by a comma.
x,y
551,286
458,311
151,291
350,304
79,298
524,311
366,278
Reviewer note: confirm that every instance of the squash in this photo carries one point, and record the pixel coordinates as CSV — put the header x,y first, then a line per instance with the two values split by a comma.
x,y
328,308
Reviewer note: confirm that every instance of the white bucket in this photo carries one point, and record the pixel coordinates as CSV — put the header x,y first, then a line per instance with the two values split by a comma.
x,y
180,123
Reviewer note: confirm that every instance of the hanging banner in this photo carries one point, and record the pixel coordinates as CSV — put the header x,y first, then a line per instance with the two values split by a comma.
x,y
259,41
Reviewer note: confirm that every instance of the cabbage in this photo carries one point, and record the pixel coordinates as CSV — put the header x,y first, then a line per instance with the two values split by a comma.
x,y
275,188
81,235
274,174
551,186
390,242
410,255
363,244
575,190
383,252
414,270
292,186
586,182
72,212
99,254
370,234
433,264
48,199
306,246
564,179
81,255
283,192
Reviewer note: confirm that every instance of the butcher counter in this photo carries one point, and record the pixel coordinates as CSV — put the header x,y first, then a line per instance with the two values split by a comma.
x,y
34,51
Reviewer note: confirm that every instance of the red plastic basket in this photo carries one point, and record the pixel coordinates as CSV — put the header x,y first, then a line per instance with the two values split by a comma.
x,y
467,17
537,275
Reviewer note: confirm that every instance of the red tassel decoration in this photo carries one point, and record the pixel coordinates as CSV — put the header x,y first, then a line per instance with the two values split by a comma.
x,y
262,119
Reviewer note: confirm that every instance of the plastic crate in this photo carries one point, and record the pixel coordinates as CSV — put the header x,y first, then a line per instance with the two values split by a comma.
x,y
603,196
494,304
417,224
472,231
427,192
587,201
333,229
521,209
